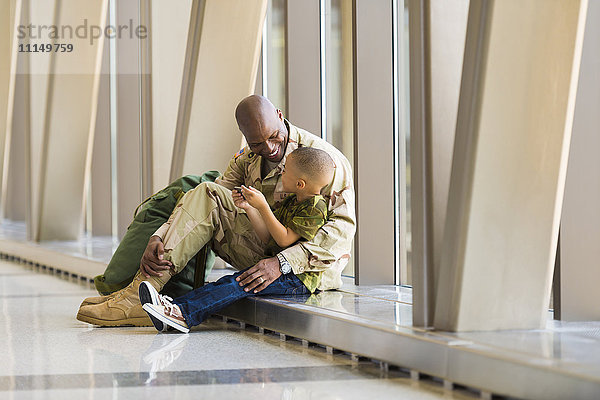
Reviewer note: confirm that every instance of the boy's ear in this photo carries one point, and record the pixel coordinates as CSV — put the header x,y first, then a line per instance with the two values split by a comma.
x,y
300,183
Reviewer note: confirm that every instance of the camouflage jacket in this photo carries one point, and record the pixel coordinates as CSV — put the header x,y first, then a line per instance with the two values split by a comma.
x,y
329,251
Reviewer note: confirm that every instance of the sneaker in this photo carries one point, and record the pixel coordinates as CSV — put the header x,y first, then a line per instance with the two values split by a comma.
x,y
166,315
148,294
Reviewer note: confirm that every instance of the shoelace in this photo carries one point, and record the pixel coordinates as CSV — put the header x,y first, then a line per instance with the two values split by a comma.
x,y
120,293
169,307
164,299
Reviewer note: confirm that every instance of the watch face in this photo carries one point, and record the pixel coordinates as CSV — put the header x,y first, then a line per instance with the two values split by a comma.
x,y
284,265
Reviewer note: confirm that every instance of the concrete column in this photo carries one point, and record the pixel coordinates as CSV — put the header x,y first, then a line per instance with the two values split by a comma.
x,y
437,38
15,195
70,122
43,13
448,27
10,15
374,146
510,156
101,190
420,165
169,32
128,106
224,72
580,224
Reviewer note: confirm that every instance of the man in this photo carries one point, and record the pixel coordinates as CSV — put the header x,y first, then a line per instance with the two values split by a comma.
x,y
270,139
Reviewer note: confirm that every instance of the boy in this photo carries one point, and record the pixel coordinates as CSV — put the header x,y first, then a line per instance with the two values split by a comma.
x,y
300,215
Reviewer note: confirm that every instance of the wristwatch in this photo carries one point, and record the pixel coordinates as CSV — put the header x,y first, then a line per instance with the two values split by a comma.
x,y
284,265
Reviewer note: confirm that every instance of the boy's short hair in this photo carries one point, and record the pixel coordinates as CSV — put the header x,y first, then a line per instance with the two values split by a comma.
x,y
314,163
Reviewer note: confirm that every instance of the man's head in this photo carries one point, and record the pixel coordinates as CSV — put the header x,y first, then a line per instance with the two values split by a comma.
x,y
307,170
263,127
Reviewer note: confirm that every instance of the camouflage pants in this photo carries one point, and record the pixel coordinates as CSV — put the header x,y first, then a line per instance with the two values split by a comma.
x,y
207,214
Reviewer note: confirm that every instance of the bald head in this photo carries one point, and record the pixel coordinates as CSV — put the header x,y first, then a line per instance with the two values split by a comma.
x,y
253,111
262,126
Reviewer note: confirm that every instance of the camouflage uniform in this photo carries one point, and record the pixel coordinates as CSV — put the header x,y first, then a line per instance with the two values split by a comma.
x,y
207,213
305,218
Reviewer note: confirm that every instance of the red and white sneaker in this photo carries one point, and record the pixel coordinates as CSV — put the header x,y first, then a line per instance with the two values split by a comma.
x,y
148,294
168,315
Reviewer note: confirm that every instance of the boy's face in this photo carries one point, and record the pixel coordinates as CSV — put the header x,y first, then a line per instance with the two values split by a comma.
x,y
290,176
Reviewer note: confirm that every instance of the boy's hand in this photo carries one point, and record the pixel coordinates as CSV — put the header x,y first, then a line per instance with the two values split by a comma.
x,y
254,197
239,200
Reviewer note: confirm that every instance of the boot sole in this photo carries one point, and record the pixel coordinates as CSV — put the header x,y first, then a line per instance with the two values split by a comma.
x,y
140,321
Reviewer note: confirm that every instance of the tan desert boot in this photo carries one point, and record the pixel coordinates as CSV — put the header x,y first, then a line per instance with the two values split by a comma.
x,y
96,300
123,307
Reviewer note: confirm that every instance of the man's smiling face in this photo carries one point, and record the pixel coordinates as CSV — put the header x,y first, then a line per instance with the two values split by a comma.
x,y
269,141
263,127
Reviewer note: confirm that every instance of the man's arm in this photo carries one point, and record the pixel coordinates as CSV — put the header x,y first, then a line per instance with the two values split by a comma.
x,y
235,172
332,241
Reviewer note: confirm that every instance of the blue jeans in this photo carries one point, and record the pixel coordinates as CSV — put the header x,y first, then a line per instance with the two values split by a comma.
x,y
200,303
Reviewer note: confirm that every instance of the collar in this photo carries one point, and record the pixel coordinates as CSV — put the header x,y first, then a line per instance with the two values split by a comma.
x,y
293,139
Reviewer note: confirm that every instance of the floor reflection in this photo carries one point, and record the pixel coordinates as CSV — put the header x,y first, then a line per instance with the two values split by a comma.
x,y
356,305
164,350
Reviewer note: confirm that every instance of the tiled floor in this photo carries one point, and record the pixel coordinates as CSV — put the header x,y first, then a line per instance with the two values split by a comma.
x,y
48,354
47,348
98,248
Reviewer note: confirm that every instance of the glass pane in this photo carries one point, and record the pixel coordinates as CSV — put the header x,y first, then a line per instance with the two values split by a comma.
x,y
276,70
402,140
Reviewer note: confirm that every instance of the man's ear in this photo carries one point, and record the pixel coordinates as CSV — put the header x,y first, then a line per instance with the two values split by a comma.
x,y
279,114
300,183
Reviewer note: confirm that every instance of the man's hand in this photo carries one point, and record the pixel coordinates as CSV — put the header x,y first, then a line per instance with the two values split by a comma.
x,y
239,200
260,276
152,261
